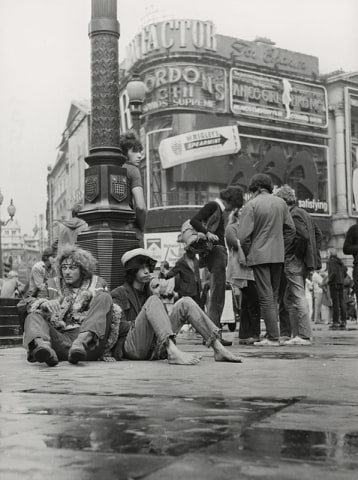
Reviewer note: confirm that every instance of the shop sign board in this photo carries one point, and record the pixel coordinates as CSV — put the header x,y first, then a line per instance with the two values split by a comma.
x,y
265,54
164,246
274,98
172,36
211,142
185,86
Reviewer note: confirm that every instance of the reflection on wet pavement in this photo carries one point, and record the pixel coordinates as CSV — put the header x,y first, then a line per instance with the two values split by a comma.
x,y
176,427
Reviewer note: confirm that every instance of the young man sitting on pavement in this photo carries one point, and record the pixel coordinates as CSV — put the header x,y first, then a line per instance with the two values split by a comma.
x,y
71,318
150,332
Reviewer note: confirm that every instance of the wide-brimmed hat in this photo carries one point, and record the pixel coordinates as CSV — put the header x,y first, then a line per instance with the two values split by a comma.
x,y
136,258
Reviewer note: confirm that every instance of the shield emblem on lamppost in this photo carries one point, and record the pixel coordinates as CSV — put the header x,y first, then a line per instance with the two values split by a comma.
x,y
118,187
91,187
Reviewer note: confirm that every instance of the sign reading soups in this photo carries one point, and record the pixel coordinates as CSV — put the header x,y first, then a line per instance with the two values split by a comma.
x,y
275,98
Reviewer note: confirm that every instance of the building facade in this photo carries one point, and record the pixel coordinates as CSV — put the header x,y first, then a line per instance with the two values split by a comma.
x,y
65,179
218,110
24,249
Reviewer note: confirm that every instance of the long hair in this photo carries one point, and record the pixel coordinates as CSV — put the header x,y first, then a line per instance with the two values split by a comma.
x,y
84,259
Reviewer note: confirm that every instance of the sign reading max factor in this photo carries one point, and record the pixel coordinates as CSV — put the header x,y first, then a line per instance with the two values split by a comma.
x,y
277,98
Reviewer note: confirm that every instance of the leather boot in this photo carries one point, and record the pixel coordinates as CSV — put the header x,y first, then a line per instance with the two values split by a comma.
x,y
43,353
78,350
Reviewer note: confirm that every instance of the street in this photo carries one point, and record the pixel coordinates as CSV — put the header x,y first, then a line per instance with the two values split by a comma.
x,y
284,413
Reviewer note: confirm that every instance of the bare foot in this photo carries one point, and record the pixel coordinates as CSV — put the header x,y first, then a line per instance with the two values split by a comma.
x,y
177,357
221,354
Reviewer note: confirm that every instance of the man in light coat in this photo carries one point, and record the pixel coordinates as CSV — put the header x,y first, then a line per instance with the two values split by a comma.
x,y
266,226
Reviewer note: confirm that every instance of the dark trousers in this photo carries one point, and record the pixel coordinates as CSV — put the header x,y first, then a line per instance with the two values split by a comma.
x,y
216,263
98,322
250,312
338,304
267,278
285,326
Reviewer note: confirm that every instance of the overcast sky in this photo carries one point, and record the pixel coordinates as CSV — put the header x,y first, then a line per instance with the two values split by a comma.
x,y
45,53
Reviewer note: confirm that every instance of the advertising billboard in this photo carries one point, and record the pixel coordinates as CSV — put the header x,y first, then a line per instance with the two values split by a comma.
x,y
274,98
351,99
185,86
210,142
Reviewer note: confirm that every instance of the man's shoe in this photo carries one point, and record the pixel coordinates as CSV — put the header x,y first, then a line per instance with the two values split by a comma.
x,y
342,326
267,343
284,338
334,326
78,352
225,343
247,341
298,341
43,353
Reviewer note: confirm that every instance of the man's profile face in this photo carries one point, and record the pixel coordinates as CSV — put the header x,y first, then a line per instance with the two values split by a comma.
x,y
71,272
144,275
134,157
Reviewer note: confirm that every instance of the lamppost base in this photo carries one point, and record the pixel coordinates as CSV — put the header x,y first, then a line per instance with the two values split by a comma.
x,y
108,246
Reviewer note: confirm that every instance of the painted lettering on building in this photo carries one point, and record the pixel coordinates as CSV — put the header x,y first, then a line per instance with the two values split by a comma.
x,y
187,86
275,98
172,36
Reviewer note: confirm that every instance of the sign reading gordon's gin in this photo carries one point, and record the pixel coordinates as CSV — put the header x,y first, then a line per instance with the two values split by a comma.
x,y
211,142
276,98
185,86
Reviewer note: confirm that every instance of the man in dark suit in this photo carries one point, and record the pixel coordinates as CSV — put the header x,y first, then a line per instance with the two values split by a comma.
x,y
265,226
149,331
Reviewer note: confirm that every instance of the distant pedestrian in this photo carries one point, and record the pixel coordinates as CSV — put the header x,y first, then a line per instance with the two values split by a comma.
x,y
41,272
335,281
265,227
68,230
350,247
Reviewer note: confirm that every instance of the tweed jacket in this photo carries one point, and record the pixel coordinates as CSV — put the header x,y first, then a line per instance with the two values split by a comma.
x,y
308,239
265,227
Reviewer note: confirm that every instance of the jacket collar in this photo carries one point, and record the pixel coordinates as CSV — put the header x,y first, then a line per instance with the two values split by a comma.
x,y
220,203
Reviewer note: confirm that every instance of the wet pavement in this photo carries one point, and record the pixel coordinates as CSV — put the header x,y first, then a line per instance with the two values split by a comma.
x,y
284,413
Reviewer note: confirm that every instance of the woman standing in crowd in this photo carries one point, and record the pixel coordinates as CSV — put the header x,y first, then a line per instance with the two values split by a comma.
x,y
240,276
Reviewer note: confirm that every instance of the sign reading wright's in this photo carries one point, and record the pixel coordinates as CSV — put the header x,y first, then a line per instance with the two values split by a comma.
x,y
276,98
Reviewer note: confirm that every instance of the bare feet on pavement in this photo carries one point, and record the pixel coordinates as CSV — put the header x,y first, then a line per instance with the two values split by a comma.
x,y
177,357
221,354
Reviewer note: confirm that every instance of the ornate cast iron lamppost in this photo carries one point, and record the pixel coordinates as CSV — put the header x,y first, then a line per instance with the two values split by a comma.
x,y
107,210
136,95
11,210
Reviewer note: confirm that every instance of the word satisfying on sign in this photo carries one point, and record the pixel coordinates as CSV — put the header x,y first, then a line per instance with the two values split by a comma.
x,y
172,36
277,98
211,142
185,86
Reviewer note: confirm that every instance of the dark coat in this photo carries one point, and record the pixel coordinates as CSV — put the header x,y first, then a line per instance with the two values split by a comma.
x,y
350,246
336,271
126,298
187,280
307,243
